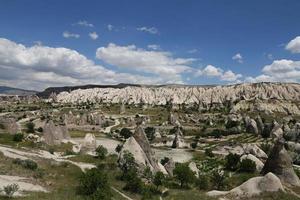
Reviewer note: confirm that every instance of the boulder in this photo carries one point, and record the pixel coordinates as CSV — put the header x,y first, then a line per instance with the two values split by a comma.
x,y
254,150
280,163
76,148
172,119
253,187
194,168
178,142
276,131
251,126
259,164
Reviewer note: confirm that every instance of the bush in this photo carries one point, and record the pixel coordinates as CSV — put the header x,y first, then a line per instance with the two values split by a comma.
x,y
158,179
266,147
101,152
194,145
150,133
247,165
30,127
11,189
126,133
164,160
27,164
183,174
119,148
94,184
202,182
18,137
232,161
2,126
133,182
209,153
218,178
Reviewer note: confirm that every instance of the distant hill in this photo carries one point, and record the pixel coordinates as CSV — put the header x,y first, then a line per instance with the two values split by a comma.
x,y
4,90
48,91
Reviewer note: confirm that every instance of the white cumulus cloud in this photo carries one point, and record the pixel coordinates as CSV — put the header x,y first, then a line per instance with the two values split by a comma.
x,y
84,23
212,71
238,57
93,35
294,45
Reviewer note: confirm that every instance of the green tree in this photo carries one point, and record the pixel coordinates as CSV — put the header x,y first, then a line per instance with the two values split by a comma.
x,y
202,182
126,133
11,189
101,152
183,174
218,178
164,160
119,148
94,184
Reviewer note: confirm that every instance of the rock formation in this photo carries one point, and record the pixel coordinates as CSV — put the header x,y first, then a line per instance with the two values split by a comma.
x,y
10,125
254,150
251,126
252,187
54,135
280,163
259,164
170,166
89,141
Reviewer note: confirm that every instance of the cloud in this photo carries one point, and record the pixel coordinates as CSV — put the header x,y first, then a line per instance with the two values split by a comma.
x,y
67,34
279,71
110,27
151,30
93,35
153,46
294,45
38,67
238,57
140,60
84,23
212,71
230,76
193,51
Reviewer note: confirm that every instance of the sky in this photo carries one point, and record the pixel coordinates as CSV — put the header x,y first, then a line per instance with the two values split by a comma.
x,y
57,43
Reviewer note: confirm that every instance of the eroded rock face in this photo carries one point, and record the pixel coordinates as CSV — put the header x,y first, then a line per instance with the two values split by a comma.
x,y
55,134
254,150
10,125
280,163
251,126
194,168
252,187
260,124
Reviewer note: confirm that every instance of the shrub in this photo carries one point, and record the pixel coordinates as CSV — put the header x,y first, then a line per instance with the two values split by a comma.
x,y
232,161
202,182
101,152
150,133
18,137
218,178
126,133
158,179
11,189
119,148
27,164
209,153
2,126
40,129
164,160
194,145
247,165
183,174
266,147
30,127
133,182
94,184
216,133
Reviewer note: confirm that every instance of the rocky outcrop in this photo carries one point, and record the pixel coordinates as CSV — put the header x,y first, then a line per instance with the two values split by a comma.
x,y
253,187
276,131
55,134
172,119
89,141
251,126
260,124
280,163
203,97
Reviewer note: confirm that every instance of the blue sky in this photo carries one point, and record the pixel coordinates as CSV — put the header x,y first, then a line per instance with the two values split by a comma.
x,y
171,41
